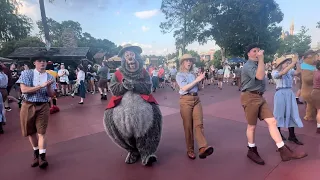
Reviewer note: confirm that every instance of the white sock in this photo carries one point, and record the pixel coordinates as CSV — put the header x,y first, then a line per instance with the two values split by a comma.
x,y
318,125
42,151
280,145
35,148
251,145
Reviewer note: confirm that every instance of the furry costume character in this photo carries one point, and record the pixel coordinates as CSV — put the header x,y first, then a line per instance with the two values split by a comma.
x,y
132,118
307,70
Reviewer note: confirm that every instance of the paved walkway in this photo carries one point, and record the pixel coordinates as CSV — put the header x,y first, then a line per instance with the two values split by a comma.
x,y
78,147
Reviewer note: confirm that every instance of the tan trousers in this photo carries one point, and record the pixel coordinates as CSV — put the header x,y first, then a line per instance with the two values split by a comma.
x,y
192,116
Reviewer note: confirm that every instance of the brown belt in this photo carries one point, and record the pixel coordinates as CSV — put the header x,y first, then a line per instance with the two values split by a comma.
x,y
36,103
191,94
255,92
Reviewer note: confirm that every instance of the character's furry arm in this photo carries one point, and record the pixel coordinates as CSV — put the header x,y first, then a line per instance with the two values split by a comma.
x,y
143,87
116,87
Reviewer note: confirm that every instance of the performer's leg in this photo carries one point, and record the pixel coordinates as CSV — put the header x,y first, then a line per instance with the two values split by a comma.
x,y
148,144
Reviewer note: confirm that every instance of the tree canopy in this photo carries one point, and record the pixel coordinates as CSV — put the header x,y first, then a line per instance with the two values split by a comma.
x,y
13,26
234,24
298,43
180,18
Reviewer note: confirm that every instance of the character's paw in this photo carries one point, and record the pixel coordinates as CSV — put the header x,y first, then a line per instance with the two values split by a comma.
x,y
127,84
148,161
132,157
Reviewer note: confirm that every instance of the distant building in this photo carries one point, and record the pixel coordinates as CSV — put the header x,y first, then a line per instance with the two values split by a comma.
x,y
207,56
287,33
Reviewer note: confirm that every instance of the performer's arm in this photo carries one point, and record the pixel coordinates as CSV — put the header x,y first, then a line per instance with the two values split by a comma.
x,y
143,87
116,87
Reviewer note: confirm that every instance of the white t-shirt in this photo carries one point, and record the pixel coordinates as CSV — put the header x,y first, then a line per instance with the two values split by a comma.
x,y
155,72
63,78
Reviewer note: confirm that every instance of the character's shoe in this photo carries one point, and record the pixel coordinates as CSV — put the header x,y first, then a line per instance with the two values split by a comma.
x,y
295,140
132,157
43,163
287,154
318,130
148,161
205,151
298,101
35,161
191,155
254,155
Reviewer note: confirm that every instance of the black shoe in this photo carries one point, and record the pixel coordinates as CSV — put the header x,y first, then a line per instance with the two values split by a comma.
x,y
1,130
102,97
43,163
105,97
295,140
35,161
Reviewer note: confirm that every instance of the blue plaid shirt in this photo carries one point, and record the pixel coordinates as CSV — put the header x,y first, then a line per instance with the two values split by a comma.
x,y
41,95
3,80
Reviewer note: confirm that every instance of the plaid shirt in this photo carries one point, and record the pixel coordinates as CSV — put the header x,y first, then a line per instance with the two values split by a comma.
x,y
41,95
3,80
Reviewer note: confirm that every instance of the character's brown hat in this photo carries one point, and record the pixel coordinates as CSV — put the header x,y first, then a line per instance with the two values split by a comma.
x,y
187,56
127,47
311,52
281,59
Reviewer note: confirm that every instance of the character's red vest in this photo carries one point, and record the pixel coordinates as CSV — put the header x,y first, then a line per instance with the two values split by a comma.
x,y
115,100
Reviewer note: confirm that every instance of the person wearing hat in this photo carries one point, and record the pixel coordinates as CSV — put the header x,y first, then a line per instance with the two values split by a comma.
x,y
132,118
37,86
286,109
191,108
308,67
315,94
253,86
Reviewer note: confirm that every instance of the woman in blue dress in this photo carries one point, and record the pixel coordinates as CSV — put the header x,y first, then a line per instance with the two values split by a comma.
x,y
2,114
285,105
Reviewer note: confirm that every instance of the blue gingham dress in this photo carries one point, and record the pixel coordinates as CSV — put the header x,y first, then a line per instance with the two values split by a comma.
x,y
285,109
2,111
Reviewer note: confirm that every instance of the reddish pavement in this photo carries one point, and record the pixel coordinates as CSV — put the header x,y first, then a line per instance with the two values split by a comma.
x,y
78,147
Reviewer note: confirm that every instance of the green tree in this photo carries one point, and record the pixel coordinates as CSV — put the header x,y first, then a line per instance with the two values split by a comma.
x,y
13,26
298,43
234,24
217,59
193,54
179,16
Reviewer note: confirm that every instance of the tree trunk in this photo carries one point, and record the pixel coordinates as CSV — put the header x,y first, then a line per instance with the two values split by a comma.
x,y
45,24
223,55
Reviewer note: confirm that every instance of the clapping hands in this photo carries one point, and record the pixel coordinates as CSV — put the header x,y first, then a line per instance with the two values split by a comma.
x,y
47,83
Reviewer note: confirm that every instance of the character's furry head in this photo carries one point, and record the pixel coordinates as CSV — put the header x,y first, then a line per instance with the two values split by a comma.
x,y
311,57
131,61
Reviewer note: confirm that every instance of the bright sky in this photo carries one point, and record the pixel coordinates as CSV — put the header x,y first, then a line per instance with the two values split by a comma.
x,y
137,21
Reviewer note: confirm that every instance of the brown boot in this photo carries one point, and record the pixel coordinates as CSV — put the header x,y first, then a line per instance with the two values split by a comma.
x,y
35,161
205,151
42,161
254,155
318,130
191,155
287,154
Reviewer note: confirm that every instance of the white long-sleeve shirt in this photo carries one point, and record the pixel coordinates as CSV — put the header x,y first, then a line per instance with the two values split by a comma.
x,y
81,76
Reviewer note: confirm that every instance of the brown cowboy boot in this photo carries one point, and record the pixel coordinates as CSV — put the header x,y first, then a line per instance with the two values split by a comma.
x,y
254,155
35,161
42,161
205,151
287,154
